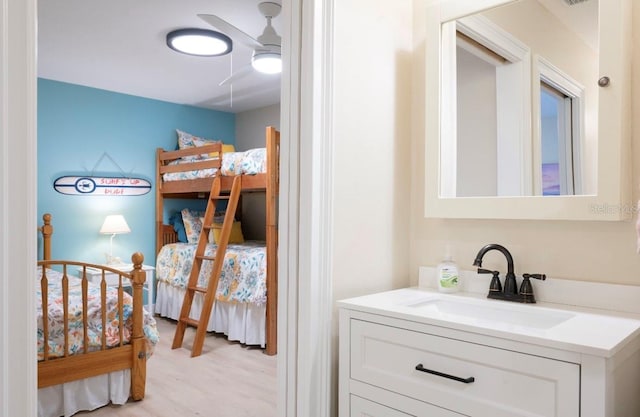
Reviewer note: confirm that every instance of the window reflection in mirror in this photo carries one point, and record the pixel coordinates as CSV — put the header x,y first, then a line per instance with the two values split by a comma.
x,y
520,83
560,168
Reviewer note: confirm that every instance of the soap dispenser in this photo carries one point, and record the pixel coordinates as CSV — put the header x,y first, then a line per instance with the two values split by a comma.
x,y
447,275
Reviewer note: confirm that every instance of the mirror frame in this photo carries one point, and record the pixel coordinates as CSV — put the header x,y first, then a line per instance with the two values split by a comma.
x,y
613,199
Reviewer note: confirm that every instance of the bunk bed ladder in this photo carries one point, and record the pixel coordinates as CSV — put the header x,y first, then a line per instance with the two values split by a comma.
x,y
209,292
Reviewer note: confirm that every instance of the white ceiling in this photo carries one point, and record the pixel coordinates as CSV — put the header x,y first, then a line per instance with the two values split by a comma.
x,y
582,18
119,45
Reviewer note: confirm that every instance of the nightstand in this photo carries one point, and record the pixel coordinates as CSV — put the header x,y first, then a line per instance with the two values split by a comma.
x,y
95,276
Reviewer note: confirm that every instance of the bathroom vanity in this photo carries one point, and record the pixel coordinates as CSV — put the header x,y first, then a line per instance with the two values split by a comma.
x,y
417,352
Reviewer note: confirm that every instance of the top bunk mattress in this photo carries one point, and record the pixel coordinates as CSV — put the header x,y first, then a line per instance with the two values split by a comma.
x,y
251,162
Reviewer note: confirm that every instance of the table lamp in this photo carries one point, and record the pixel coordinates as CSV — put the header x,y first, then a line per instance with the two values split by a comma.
x,y
114,224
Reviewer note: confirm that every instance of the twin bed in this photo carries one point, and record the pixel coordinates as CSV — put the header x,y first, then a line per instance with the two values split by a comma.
x,y
246,300
94,340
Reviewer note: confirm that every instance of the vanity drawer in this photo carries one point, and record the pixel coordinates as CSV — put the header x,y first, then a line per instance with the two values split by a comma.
x,y
497,382
361,407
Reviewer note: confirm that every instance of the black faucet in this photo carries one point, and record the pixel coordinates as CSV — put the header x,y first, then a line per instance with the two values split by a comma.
x,y
510,291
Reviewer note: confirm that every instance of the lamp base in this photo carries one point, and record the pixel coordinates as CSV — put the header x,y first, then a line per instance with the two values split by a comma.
x,y
113,260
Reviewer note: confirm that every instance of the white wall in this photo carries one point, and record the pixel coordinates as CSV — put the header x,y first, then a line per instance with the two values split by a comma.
x,y
372,133
250,133
477,148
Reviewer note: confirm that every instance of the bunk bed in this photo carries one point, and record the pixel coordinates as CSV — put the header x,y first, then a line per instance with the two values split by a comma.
x,y
94,341
189,173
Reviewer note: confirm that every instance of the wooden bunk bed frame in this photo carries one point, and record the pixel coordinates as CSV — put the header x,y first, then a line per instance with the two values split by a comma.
x,y
133,355
200,188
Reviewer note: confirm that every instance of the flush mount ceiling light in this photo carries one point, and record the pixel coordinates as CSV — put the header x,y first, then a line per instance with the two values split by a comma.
x,y
199,42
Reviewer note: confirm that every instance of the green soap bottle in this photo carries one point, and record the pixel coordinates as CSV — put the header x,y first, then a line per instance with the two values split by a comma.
x,y
447,275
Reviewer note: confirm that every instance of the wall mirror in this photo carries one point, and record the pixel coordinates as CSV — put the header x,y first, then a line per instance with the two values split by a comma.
x,y
521,122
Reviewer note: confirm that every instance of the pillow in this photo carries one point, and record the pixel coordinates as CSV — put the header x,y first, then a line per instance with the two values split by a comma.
x,y
235,237
178,225
214,234
192,224
226,148
187,140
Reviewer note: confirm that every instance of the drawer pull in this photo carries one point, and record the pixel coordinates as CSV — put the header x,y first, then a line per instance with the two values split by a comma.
x,y
421,368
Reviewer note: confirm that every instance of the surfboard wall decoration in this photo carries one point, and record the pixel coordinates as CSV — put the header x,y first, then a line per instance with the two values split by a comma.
x,y
103,186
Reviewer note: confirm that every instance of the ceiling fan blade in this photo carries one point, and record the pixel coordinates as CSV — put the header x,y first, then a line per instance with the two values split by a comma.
x,y
230,30
238,74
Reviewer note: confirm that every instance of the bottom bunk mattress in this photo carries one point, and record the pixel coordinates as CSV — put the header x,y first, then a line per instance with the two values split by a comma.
x,y
240,307
94,392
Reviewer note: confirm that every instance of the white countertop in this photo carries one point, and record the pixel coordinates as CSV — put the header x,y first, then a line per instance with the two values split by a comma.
x,y
575,329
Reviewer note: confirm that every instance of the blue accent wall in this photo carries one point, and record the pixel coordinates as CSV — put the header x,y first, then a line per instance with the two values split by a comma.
x,y
88,131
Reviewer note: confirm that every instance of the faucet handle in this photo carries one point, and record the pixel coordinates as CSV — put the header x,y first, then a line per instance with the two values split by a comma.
x,y
526,290
496,285
541,277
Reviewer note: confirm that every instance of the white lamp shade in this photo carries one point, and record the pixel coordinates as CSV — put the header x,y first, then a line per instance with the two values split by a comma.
x,y
115,224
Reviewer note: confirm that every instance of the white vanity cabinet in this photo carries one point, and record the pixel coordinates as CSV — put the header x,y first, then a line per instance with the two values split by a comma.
x,y
396,364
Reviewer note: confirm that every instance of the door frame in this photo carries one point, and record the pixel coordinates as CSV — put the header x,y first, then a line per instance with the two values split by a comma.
x,y
18,238
304,362
304,322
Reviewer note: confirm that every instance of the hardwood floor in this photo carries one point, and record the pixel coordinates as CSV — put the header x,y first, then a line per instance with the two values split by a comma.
x,y
227,380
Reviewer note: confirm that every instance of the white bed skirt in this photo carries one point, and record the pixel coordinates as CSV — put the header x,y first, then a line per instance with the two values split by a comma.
x,y
85,394
242,322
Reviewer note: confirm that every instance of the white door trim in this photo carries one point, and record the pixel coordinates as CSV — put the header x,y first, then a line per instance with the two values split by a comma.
x,y
18,173
288,208
304,345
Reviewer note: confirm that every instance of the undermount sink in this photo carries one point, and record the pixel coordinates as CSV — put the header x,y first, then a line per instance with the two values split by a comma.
x,y
490,312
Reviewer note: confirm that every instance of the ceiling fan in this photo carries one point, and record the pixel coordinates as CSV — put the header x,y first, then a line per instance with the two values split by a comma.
x,y
266,49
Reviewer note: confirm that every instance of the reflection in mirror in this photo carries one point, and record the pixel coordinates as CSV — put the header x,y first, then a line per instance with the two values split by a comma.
x,y
520,100
559,141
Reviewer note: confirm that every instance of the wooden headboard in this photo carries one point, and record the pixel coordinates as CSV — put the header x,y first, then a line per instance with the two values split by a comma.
x,y
169,235
47,230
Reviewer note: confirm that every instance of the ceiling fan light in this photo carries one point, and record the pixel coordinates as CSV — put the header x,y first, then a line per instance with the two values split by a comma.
x,y
199,42
267,62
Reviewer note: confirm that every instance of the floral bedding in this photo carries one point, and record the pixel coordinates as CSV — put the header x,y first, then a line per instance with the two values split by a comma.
x,y
94,317
243,277
251,162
